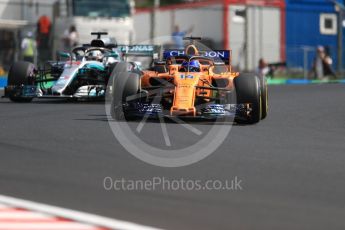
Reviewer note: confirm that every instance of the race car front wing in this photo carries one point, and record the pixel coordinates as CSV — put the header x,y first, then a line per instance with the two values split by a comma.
x,y
209,111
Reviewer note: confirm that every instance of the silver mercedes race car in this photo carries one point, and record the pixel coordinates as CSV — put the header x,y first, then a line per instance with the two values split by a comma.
x,y
82,74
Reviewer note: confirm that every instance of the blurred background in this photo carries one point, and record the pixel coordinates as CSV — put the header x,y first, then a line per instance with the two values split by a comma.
x,y
286,36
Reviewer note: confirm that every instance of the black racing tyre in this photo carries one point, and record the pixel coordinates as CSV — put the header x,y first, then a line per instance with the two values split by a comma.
x,y
248,91
20,99
20,74
264,97
124,84
111,67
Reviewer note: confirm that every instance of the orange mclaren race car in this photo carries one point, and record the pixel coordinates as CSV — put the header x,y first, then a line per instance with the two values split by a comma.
x,y
188,83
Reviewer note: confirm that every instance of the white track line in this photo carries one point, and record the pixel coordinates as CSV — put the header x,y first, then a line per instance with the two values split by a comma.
x,y
21,215
73,215
45,226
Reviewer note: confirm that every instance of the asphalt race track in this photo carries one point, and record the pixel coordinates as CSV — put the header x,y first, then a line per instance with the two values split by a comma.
x,y
291,165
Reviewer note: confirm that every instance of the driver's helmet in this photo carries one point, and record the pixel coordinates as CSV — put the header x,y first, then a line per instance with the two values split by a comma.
x,y
95,55
194,66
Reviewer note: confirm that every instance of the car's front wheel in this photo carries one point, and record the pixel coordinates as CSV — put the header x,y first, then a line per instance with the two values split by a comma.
x,y
264,97
248,92
21,74
124,85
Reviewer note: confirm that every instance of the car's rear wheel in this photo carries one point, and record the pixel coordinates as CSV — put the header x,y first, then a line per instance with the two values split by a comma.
x,y
21,74
248,92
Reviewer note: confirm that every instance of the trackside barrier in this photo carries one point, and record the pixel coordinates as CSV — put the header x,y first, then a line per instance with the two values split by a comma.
x,y
302,81
3,82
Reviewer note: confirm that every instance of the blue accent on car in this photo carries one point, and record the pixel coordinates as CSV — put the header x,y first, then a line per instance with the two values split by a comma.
x,y
29,91
214,54
193,66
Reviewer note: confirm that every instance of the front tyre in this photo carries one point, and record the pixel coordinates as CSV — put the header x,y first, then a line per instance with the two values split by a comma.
x,y
264,97
21,74
248,92
124,85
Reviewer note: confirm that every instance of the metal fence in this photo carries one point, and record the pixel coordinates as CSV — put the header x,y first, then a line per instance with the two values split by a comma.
x,y
300,59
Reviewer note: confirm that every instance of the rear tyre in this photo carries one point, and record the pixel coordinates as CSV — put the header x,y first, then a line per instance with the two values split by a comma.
x,y
264,97
124,84
21,74
248,91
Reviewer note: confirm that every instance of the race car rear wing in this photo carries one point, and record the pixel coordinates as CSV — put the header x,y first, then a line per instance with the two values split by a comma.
x,y
141,50
221,56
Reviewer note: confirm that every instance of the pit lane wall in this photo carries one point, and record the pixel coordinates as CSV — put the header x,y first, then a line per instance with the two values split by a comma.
x,y
217,21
